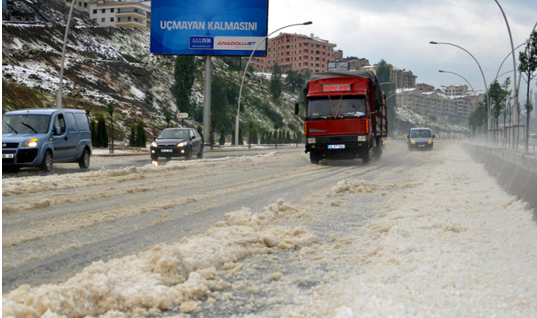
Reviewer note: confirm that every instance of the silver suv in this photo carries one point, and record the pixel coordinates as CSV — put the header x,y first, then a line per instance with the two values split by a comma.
x,y
420,138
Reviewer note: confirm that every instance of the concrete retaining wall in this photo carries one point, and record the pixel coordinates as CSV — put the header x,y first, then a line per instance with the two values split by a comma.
x,y
515,172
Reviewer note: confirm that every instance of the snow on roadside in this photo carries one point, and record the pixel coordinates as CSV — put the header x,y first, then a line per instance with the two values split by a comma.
x,y
165,277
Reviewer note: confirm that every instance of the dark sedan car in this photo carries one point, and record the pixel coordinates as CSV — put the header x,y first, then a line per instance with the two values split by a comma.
x,y
177,142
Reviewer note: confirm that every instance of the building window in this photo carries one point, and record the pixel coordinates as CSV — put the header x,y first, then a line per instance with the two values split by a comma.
x,y
118,19
112,19
118,10
103,10
102,20
85,5
111,10
79,3
94,11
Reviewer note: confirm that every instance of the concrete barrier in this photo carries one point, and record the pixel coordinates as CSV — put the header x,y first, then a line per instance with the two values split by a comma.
x,y
515,172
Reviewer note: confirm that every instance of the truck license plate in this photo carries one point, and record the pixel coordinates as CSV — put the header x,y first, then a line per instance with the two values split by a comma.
x,y
166,150
7,156
336,146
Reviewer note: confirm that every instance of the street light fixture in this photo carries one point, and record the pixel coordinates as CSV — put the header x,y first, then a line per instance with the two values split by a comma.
x,y
489,122
244,75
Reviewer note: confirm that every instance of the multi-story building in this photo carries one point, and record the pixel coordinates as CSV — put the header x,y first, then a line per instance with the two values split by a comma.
x,y
130,14
401,78
296,52
80,5
437,103
456,90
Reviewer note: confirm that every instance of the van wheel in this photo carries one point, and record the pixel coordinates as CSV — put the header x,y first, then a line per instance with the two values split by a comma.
x,y
84,161
46,165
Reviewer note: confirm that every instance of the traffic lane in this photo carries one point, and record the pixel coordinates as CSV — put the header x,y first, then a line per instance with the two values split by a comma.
x,y
123,160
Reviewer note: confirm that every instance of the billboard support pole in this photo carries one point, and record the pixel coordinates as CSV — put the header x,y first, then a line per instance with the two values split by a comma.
x,y
207,98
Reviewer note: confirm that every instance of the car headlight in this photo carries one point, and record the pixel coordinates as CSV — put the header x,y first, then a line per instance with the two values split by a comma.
x,y
30,143
362,138
182,144
311,140
154,144
413,141
430,140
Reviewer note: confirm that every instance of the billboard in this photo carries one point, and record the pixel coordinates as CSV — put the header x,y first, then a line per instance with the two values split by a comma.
x,y
338,66
208,27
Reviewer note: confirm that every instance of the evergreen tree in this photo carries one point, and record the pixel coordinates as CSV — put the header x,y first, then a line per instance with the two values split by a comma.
x,y
141,136
222,140
200,132
276,84
233,135
241,142
93,128
255,140
168,116
102,134
528,66
184,75
132,137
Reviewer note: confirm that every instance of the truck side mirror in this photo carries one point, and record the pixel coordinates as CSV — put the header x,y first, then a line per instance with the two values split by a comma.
x,y
296,108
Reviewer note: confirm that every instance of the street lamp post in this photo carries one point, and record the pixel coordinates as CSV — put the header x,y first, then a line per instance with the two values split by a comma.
x,y
482,74
60,89
244,75
514,61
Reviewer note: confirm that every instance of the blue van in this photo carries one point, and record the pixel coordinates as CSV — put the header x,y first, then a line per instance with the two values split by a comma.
x,y
38,137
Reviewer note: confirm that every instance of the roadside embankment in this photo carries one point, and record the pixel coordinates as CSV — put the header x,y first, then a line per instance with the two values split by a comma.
x,y
515,172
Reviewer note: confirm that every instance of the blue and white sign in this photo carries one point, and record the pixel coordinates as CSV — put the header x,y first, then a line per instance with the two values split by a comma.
x,y
209,27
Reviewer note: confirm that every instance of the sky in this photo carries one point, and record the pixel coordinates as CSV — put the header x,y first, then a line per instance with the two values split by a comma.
x,y
399,31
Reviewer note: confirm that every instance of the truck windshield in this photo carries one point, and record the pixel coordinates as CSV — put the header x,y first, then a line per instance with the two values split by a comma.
x,y
25,124
346,107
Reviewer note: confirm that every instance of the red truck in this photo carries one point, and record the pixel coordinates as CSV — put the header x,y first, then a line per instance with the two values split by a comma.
x,y
346,116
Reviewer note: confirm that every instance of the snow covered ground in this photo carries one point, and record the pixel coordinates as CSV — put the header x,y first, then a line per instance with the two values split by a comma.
x,y
435,239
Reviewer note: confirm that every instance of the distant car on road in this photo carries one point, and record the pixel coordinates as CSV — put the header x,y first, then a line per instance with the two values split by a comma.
x,y
420,138
177,142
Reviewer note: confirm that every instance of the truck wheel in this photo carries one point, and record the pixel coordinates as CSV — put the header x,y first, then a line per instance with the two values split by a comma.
x,y
366,157
84,161
377,153
46,165
314,158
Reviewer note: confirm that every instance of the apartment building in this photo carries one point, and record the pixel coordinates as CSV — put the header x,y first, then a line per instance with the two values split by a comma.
x,y
401,78
456,90
296,52
129,14
437,103
80,5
